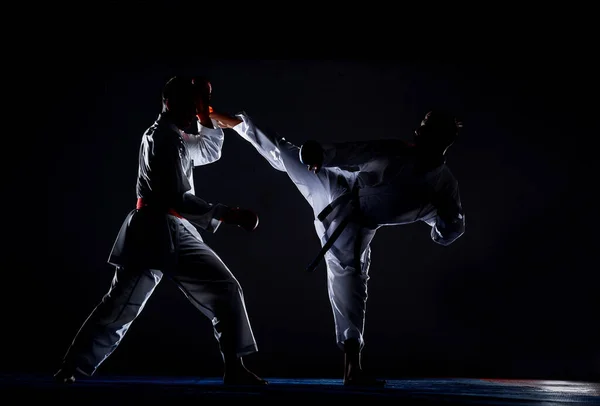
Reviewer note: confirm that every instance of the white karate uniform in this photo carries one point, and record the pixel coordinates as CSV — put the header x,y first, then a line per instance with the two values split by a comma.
x,y
388,193
159,239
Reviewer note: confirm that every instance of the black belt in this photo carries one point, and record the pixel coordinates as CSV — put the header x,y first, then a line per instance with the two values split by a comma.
x,y
348,198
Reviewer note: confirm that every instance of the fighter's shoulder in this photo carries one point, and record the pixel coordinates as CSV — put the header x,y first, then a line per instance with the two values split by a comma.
x,y
158,130
398,147
391,144
400,143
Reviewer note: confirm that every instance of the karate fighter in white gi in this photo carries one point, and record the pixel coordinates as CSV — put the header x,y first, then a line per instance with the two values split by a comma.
x,y
354,188
160,238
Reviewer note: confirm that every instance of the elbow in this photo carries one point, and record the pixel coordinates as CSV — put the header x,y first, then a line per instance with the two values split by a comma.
x,y
212,149
208,157
445,236
447,239
216,155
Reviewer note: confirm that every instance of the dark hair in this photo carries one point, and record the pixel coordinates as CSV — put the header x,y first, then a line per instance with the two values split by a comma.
x,y
439,128
200,81
178,88
441,120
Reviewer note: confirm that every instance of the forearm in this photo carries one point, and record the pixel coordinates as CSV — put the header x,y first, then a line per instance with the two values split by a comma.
x,y
206,121
206,216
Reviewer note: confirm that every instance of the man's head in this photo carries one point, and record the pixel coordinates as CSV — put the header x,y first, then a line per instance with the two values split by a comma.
x,y
203,89
438,131
179,101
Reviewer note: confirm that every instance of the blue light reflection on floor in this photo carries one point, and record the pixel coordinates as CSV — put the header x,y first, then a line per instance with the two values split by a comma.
x,y
467,391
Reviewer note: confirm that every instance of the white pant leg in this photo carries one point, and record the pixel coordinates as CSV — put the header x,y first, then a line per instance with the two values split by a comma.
x,y
108,323
211,287
348,260
348,263
318,189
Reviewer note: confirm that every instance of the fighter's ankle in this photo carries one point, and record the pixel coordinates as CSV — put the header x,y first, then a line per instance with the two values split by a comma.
x,y
352,346
233,363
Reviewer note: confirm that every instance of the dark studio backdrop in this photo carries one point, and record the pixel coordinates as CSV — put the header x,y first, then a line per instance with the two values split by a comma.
x,y
514,297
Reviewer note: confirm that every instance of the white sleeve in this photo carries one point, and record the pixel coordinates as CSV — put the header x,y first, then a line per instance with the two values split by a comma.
x,y
205,147
445,233
204,215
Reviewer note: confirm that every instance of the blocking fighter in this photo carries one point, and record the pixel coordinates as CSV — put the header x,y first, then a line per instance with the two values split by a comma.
x,y
161,238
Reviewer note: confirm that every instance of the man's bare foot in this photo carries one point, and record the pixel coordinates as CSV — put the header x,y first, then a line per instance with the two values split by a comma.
x,y
242,376
65,375
68,374
353,372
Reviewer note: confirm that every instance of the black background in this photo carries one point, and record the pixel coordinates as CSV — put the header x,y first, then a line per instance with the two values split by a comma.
x,y
515,297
